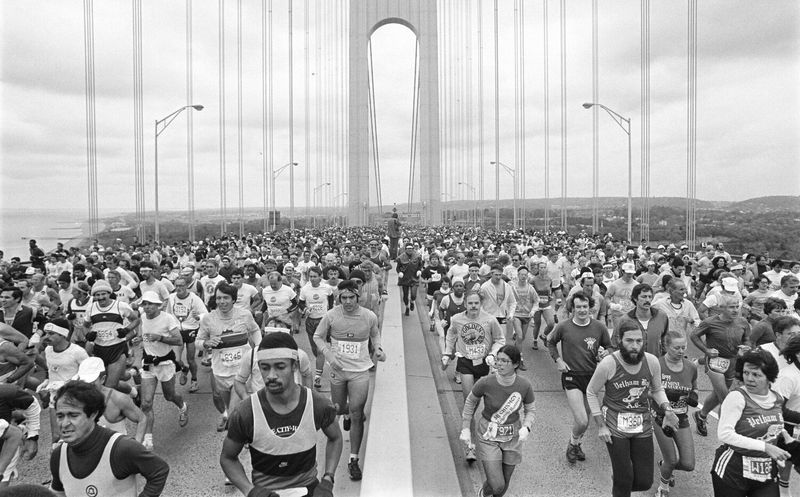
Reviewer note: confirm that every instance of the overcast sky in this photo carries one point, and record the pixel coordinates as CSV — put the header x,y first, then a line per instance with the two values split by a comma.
x,y
747,113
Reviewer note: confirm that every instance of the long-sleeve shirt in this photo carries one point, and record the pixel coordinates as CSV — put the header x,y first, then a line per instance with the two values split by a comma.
x,y
729,415
474,338
128,457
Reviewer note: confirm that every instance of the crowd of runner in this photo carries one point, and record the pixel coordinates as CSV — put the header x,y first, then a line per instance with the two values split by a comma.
x,y
88,335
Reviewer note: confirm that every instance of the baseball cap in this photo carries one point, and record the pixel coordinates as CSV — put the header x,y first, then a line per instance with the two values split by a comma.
x,y
628,267
90,369
151,297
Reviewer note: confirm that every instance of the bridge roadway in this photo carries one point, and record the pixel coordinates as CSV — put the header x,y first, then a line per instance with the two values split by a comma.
x,y
413,420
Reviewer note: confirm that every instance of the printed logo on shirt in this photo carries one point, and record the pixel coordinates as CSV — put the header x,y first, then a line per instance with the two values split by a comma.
x,y
472,333
590,341
91,491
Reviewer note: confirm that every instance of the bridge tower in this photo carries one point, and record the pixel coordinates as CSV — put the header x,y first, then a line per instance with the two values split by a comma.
x,y
366,16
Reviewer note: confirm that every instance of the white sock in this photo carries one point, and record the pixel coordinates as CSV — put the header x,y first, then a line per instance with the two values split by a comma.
x,y
575,440
353,456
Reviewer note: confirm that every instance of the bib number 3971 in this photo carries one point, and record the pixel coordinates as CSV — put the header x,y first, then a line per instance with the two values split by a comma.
x,y
630,422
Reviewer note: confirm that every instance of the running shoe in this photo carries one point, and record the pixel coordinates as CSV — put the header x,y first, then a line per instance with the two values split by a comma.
x,y
470,454
228,482
701,423
572,456
317,382
355,470
346,424
194,387
579,453
412,305
406,310
543,338
223,423
522,366
184,378
183,416
535,345
148,444
662,492
433,327
671,478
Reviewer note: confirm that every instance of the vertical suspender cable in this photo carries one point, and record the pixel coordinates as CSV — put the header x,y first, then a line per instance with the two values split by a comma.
x,y
306,111
645,84
595,120
522,160
190,120
481,157
138,122
291,120
373,125
414,127
239,113
91,144
691,127
271,135
222,173
470,176
563,12
317,101
545,24
515,177
341,112
264,150
496,123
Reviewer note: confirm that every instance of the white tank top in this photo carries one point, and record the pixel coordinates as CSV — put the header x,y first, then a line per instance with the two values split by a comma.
x,y
101,482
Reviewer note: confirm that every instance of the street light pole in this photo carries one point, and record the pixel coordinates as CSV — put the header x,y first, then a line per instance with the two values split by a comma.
x,y
164,123
513,173
619,120
317,189
274,178
475,203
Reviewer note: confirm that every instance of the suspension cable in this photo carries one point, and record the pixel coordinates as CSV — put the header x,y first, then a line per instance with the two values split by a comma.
x,y
563,12
595,120
545,72
239,113
373,125
138,120
222,174
264,139
190,121
414,127
522,157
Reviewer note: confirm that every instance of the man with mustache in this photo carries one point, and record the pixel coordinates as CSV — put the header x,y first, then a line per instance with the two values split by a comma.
x,y
624,423
279,423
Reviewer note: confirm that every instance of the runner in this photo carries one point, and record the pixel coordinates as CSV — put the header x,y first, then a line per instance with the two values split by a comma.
x,y
279,424
112,324
226,333
409,269
625,423
497,299
679,378
95,458
351,329
189,309
787,386
546,310
474,337
279,298
750,425
315,301
584,343
63,359
527,304
501,429
724,334
119,406
159,334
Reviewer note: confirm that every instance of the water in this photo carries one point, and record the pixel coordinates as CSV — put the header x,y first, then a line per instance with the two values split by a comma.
x,y
47,227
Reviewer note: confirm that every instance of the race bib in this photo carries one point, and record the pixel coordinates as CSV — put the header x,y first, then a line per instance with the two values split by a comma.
x,y
544,299
292,492
106,335
630,422
718,364
757,468
505,433
477,351
180,311
350,349
231,358
679,407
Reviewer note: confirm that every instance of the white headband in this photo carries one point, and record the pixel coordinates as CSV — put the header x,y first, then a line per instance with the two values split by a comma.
x,y
278,353
50,327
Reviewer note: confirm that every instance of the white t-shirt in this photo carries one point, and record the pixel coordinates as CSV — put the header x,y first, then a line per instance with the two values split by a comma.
x,y
159,325
788,385
278,301
244,297
316,299
62,366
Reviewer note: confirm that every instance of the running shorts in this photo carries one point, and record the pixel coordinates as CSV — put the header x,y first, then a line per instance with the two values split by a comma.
x,y
465,366
111,353
575,381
